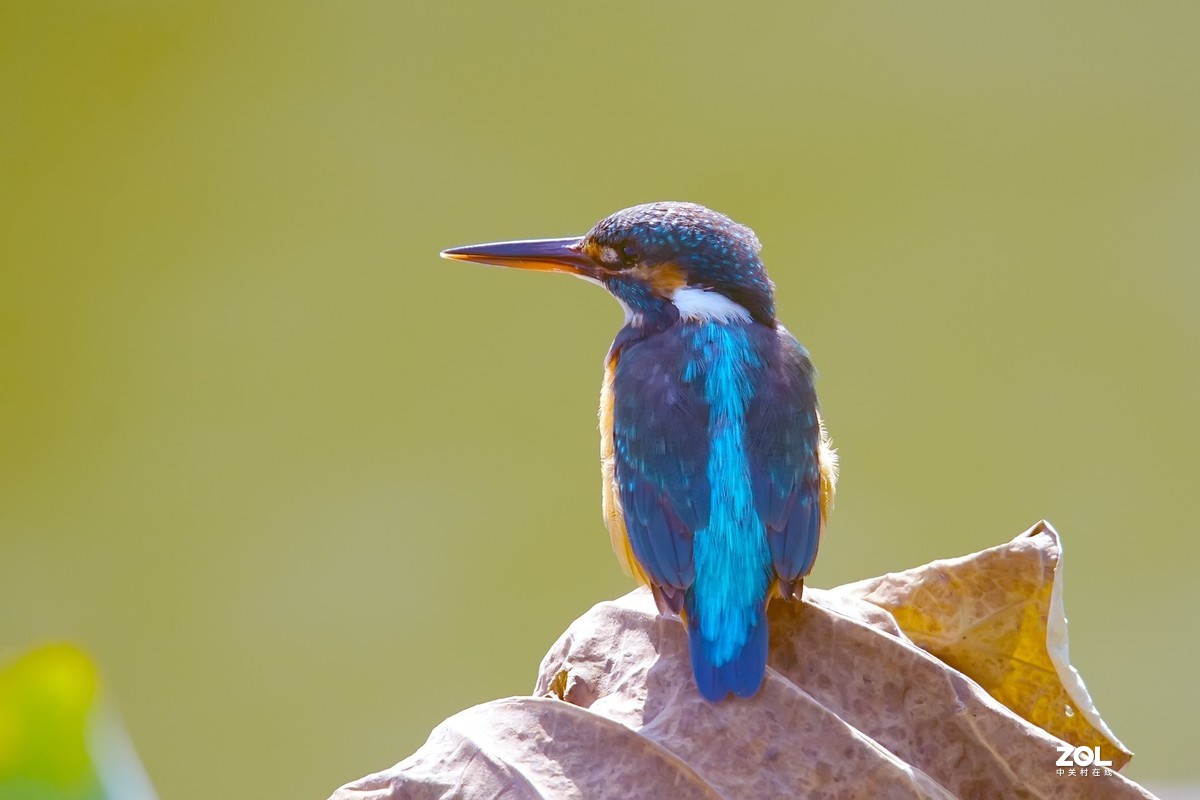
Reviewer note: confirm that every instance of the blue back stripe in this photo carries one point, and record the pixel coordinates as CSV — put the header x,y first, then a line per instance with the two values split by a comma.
x,y
732,559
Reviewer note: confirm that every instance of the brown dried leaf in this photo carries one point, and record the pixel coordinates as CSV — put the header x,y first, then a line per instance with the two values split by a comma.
x,y
998,616
850,708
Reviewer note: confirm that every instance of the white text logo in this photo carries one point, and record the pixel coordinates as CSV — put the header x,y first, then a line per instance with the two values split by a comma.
x,y
1081,757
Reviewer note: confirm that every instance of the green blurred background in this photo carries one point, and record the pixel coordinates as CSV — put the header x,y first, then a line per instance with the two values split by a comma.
x,y
304,490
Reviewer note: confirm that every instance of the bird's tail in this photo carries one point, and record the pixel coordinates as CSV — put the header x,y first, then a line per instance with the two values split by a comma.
x,y
742,673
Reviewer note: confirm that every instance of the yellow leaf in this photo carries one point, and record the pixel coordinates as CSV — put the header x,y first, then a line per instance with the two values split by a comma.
x,y
997,616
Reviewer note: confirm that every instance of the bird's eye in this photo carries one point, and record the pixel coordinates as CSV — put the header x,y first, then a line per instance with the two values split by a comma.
x,y
618,256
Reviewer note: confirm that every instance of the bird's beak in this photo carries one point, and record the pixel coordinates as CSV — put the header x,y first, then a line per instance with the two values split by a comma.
x,y
546,255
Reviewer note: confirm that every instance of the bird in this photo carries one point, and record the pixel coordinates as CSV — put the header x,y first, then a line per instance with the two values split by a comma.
x,y
717,471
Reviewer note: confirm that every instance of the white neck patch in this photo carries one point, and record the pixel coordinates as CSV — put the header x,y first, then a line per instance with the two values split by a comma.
x,y
705,306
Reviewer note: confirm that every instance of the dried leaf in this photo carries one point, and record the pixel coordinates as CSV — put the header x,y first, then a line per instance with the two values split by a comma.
x,y
998,616
850,708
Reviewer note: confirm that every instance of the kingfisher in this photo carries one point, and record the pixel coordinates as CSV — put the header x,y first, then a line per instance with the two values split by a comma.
x,y
717,471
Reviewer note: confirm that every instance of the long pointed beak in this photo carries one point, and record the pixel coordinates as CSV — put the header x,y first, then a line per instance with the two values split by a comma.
x,y
546,255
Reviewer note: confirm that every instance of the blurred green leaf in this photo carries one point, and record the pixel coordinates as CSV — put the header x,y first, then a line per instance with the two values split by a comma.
x,y
58,741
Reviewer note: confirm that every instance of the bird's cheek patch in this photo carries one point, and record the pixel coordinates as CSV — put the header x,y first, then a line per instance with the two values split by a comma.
x,y
664,278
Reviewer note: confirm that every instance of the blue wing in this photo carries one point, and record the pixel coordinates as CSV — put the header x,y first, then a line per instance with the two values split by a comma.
x,y
661,448
783,437
661,441
744,398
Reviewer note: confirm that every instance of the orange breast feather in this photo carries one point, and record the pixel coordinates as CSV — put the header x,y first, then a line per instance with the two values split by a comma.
x,y
614,516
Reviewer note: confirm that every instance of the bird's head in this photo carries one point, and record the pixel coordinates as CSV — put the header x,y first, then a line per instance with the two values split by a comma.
x,y
661,260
